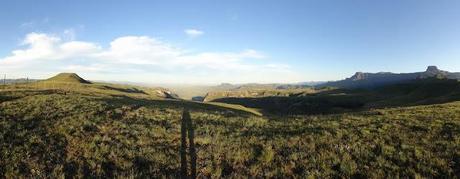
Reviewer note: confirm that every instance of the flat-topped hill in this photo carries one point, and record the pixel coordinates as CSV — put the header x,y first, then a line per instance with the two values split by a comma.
x,y
67,78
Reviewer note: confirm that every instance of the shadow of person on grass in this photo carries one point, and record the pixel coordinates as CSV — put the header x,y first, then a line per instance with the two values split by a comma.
x,y
187,130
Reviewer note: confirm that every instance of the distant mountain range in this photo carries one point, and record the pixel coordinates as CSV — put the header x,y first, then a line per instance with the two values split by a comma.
x,y
271,86
371,80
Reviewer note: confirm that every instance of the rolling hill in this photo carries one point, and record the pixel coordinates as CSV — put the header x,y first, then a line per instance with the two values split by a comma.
x,y
199,92
257,93
71,82
333,100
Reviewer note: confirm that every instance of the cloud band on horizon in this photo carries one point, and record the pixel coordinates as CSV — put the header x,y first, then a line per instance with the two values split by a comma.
x,y
140,59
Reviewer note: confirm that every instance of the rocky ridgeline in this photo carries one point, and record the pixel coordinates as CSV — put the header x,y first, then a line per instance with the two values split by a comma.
x,y
370,80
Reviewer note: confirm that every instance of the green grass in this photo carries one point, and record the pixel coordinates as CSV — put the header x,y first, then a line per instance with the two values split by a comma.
x,y
95,88
94,131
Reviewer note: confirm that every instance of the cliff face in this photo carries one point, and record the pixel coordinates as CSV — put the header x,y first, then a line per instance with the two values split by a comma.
x,y
370,80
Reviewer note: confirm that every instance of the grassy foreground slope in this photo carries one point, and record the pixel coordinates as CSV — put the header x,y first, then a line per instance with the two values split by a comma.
x,y
75,133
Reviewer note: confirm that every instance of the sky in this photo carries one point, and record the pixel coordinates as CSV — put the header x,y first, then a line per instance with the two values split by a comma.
x,y
237,41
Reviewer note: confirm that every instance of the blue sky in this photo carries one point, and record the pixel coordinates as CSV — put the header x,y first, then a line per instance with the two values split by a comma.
x,y
227,41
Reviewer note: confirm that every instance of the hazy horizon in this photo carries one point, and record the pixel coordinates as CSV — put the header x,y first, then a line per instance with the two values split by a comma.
x,y
184,84
205,42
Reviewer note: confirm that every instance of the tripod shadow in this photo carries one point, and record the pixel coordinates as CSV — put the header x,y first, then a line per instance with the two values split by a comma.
x,y
187,130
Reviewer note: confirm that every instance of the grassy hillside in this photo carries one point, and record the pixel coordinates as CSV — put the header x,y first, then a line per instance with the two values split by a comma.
x,y
419,92
99,89
330,100
190,91
67,78
97,131
258,93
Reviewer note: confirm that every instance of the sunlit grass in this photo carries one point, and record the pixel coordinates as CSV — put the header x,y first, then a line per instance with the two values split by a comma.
x,y
92,131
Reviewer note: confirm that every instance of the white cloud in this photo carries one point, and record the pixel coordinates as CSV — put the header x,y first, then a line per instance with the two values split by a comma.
x,y
141,59
139,50
44,47
193,32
